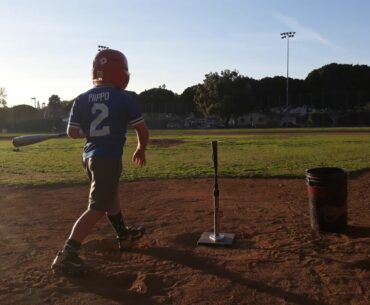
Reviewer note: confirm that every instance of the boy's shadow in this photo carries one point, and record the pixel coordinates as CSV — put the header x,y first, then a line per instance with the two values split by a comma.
x,y
114,287
120,284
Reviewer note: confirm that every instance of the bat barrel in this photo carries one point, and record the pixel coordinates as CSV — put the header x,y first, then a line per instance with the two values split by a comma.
x,y
33,139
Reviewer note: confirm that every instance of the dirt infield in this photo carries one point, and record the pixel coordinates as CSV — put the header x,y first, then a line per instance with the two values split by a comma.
x,y
275,260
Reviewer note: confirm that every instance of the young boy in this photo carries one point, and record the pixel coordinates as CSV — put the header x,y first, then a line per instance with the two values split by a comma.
x,y
102,115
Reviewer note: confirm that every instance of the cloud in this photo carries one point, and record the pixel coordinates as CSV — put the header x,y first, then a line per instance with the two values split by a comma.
x,y
304,33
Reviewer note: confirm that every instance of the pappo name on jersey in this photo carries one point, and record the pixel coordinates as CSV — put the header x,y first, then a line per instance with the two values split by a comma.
x,y
99,97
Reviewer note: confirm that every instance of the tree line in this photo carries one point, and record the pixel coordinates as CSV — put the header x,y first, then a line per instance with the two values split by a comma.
x,y
333,90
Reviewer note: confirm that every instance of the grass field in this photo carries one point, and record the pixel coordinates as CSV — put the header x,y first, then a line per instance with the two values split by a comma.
x,y
187,154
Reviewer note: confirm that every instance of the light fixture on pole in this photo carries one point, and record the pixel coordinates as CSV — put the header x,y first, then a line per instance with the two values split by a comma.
x,y
287,35
101,48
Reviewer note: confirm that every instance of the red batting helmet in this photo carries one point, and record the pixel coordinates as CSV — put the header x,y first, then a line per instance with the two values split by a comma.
x,y
110,67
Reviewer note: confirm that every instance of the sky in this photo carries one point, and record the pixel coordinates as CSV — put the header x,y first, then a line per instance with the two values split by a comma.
x,y
47,47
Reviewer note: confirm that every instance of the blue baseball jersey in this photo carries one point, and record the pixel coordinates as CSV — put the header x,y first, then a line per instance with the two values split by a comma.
x,y
103,113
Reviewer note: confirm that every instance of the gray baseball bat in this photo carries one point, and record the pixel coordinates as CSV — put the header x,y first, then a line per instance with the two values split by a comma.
x,y
35,138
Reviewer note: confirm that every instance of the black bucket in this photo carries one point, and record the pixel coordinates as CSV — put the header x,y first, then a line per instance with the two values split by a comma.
x,y
327,198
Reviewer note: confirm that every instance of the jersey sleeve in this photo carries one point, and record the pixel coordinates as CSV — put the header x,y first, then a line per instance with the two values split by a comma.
x,y
74,116
134,113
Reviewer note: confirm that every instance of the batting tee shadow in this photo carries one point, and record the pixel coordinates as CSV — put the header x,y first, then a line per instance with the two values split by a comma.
x,y
206,265
357,231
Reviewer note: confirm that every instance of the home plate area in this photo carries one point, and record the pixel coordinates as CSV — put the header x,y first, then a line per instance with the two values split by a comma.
x,y
275,257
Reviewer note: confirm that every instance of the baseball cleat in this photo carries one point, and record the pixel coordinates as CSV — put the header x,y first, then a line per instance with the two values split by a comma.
x,y
131,236
69,263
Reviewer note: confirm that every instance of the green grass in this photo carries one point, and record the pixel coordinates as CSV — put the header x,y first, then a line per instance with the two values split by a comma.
x,y
187,153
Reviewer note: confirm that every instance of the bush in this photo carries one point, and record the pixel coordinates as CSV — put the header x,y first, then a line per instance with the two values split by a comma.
x,y
355,119
319,119
39,125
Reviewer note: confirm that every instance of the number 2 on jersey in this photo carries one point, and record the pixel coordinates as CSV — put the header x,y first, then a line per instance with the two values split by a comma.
x,y
104,113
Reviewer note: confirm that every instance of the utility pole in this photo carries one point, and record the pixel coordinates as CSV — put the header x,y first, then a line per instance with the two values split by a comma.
x,y
287,35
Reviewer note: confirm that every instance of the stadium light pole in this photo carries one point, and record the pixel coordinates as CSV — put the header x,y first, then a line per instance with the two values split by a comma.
x,y
101,48
287,35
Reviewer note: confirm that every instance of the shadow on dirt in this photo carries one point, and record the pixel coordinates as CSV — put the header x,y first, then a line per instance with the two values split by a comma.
x,y
357,231
208,266
117,287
